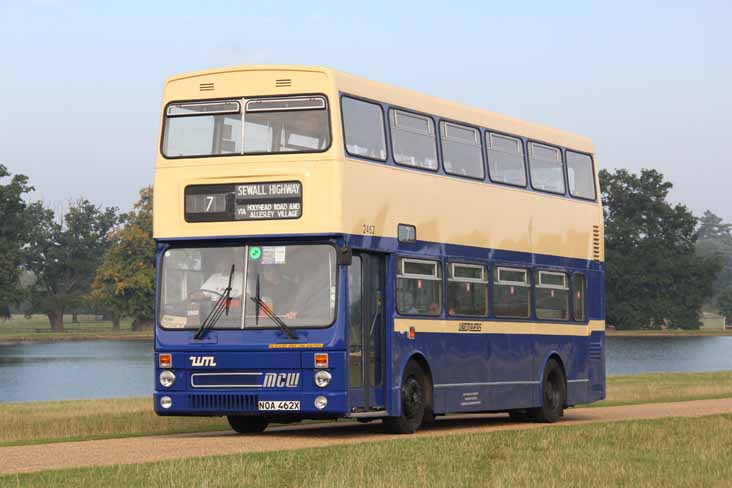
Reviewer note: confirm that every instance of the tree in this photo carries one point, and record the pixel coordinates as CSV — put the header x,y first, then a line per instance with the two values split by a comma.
x,y
653,275
712,227
13,234
724,302
64,256
125,281
715,241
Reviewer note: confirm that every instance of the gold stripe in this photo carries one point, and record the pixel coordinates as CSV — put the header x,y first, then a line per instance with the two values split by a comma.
x,y
295,346
485,327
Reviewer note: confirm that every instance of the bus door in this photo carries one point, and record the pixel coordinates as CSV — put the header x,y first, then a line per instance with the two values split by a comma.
x,y
366,332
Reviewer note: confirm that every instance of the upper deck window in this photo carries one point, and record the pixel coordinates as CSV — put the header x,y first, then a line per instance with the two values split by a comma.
x,y
547,173
413,140
461,150
264,126
581,175
506,160
363,123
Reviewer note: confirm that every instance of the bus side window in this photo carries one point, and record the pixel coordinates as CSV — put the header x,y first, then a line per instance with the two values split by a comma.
x,y
413,140
467,290
552,296
419,287
581,175
511,293
506,160
547,173
579,290
462,154
363,123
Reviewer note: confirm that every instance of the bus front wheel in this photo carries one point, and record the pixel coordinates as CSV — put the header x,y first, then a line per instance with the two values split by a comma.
x,y
414,402
553,394
244,424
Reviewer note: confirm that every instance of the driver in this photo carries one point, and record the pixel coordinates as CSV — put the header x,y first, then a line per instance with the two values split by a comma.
x,y
219,264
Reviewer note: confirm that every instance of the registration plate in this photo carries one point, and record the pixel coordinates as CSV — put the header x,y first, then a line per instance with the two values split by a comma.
x,y
288,405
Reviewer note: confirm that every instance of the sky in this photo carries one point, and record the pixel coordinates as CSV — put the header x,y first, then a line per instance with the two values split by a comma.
x,y
650,82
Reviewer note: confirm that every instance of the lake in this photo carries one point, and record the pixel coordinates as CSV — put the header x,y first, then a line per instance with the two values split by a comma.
x,y
103,369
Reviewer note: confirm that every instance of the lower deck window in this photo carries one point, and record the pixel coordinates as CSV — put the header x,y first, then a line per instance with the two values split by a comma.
x,y
467,290
511,293
419,287
552,296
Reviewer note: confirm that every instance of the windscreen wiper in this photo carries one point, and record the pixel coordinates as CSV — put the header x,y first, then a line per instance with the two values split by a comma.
x,y
221,306
269,313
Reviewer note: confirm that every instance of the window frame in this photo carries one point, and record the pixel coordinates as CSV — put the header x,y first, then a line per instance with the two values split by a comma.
x,y
528,284
594,175
529,144
438,156
585,317
539,285
479,143
384,125
524,158
241,99
484,281
400,260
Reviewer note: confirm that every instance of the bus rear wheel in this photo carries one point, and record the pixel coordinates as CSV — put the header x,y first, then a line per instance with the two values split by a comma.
x,y
414,402
244,424
553,394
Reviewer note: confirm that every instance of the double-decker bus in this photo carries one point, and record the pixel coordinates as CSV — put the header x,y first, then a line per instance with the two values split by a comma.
x,y
330,247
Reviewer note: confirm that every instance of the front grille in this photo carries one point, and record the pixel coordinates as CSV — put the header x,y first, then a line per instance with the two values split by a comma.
x,y
215,401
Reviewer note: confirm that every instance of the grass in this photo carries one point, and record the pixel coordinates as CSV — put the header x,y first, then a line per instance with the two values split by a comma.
x,y
667,452
37,328
41,422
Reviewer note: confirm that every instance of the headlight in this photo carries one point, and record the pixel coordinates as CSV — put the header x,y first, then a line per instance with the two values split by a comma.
x,y
322,378
166,402
167,378
321,402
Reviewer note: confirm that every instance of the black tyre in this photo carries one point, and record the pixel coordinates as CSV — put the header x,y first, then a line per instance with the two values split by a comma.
x,y
414,402
553,394
244,424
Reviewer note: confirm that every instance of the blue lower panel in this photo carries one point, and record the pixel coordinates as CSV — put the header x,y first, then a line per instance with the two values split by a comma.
x,y
236,402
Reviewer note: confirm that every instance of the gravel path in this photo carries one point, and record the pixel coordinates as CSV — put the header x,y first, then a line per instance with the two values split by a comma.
x,y
62,455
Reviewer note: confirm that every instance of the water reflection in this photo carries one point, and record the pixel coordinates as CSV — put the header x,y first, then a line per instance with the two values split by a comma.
x,y
71,370
634,355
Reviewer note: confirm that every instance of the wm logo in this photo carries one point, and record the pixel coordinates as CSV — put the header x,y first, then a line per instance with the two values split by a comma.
x,y
202,361
281,380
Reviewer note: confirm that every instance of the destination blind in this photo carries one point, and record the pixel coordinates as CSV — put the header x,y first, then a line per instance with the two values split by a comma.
x,y
280,200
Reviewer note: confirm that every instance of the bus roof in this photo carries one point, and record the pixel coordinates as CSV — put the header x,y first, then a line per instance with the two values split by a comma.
x,y
409,99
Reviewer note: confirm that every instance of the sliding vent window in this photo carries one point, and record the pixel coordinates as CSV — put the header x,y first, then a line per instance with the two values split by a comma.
x,y
552,296
547,173
419,287
246,126
578,287
413,140
467,290
506,160
363,123
511,293
461,151
581,175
